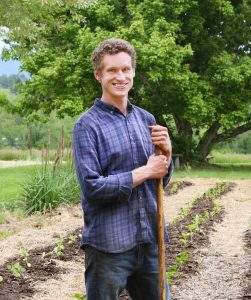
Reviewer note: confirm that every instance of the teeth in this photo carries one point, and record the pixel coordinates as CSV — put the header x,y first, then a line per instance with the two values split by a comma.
x,y
120,85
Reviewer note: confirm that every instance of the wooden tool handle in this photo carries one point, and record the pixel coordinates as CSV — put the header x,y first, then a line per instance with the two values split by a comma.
x,y
161,243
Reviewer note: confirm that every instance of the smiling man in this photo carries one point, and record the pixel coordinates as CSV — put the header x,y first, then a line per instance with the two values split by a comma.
x,y
114,144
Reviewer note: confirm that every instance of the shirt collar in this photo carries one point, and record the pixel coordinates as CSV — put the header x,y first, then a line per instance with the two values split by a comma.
x,y
111,108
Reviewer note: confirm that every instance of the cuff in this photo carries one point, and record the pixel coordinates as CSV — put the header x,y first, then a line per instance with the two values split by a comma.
x,y
125,186
169,174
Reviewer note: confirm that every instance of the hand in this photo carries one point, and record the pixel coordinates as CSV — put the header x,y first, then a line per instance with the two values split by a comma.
x,y
157,166
161,139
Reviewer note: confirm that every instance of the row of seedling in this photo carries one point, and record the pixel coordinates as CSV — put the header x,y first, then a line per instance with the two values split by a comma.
x,y
17,269
196,226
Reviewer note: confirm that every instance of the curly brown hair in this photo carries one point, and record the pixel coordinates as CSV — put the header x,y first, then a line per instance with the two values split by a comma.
x,y
112,46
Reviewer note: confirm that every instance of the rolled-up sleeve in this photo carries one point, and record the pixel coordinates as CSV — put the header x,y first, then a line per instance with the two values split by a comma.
x,y
97,189
169,174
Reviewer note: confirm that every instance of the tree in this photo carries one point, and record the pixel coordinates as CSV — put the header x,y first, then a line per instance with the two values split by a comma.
x,y
193,68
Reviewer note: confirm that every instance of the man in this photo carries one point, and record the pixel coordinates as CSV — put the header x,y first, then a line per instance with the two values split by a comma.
x,y
117,170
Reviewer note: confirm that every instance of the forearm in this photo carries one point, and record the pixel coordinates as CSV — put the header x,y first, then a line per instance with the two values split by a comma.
x,y
140,175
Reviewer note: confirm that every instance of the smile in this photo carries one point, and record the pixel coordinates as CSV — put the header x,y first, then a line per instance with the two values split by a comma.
x,y
120,85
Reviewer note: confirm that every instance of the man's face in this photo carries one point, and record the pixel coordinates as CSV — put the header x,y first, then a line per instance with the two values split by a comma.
x,y
116,76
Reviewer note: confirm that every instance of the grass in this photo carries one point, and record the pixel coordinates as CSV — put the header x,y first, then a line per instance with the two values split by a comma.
x,y
231,159
226,166
11,179
225,172
5,234
47,189
19,154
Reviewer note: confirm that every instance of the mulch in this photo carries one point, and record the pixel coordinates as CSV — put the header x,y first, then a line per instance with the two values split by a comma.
x,y
247,279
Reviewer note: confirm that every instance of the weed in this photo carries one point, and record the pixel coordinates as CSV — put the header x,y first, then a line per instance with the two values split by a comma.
x,y
25,255
72,238
1,279
16,269
59,248
79,296
5,234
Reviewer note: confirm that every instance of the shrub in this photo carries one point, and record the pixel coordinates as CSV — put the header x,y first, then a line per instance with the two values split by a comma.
x,y
49,189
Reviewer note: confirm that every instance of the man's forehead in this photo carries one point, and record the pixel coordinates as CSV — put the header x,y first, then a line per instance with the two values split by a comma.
x,y
121,58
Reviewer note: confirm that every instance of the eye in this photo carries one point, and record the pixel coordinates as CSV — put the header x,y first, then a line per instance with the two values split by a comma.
x,y
111,70
127,69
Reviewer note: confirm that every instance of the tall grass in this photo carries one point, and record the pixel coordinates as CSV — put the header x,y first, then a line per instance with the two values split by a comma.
x,y
48,189
53,184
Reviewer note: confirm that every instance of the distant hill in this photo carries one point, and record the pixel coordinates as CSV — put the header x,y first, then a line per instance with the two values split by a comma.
x,y
10,81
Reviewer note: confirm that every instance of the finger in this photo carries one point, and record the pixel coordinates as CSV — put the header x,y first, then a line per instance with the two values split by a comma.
x,y
160,133
159,139
157,128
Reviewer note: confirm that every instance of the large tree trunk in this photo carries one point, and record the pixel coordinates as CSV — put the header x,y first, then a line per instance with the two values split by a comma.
x,y
211,137
207,141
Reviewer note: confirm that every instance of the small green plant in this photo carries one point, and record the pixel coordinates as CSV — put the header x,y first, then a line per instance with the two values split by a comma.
x,y
1,279
59,248
16,269
5,234
25,255
175,187
72,238
79,296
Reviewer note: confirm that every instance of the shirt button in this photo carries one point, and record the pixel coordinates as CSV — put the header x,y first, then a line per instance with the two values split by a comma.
x,y
112,112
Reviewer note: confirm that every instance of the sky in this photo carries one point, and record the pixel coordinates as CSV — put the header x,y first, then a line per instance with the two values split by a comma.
x,y
9,67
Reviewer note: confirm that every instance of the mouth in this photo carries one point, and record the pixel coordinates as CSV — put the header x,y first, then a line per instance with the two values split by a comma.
x,y
120,85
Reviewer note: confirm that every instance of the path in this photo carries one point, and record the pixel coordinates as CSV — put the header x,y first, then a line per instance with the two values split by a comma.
x,y
224,262
17,163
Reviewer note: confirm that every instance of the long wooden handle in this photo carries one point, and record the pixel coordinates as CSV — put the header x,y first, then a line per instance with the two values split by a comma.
x,y
161,243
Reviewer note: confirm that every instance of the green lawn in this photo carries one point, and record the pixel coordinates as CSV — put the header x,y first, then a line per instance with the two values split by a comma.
x,y
223,171
10,179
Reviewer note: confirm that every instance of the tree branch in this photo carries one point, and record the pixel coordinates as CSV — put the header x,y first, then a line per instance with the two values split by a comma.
x,y
232,133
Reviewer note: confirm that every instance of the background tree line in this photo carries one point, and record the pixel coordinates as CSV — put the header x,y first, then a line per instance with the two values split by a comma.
x,y
193,68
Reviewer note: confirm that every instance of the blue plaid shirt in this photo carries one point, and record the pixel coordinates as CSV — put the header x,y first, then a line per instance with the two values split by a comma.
x,y
107,147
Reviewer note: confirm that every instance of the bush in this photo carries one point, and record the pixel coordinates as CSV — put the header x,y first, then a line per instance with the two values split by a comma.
x,y
47,190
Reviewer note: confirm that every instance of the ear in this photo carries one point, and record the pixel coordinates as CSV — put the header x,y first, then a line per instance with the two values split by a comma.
x,y
97,75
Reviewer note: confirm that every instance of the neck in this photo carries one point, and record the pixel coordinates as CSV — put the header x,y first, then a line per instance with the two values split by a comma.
x,y
121,104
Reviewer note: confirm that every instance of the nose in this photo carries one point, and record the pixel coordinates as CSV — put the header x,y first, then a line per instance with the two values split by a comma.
x,y
120,75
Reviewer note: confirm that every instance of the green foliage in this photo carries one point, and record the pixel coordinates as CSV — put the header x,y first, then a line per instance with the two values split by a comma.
x,y
47,190
5,234
25,256
193,61
175,187
79,296
16,269
72,238
1,279
59,248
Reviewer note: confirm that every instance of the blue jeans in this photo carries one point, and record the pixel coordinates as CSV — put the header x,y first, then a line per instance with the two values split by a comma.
x,y
107,274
